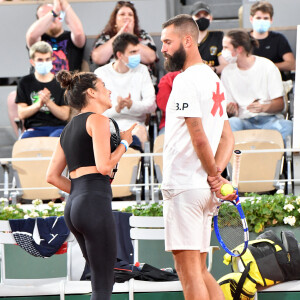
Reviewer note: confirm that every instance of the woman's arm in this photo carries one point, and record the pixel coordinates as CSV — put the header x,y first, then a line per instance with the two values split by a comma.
x,y
98,128
101,54
54,173
148,55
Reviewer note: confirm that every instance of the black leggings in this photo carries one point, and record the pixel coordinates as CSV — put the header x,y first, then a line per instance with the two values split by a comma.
x,y
89,216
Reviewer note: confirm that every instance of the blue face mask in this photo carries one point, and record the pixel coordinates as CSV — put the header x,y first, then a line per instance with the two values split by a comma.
x,y
133,61
43,67
261,26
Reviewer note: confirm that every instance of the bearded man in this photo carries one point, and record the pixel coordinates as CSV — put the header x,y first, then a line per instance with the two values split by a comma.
x,y
197,147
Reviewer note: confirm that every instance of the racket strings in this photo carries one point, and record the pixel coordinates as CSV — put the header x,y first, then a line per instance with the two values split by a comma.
x,y
231,229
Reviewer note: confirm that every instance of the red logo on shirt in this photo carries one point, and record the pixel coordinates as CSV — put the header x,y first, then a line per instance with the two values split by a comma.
x,y
218,98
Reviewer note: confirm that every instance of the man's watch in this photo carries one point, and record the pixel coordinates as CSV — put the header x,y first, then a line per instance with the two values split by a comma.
x,y
54,14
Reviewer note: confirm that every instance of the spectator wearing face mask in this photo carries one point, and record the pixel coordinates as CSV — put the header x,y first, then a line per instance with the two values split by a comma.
x,y
132,91
67,45
209,42
40,98
253,85
272,45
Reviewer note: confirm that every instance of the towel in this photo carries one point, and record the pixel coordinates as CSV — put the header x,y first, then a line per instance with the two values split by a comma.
x,y
40,237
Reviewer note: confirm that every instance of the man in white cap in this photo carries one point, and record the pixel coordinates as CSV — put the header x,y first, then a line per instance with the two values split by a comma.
x,y
209,42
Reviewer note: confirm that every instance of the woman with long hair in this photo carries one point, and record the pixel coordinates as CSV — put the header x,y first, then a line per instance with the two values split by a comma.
x,y
87,148
123,19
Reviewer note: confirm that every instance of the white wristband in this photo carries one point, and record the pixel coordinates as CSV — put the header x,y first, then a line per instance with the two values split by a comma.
x,y
125,143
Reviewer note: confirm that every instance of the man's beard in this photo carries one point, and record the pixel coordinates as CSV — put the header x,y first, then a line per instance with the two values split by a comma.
x,y
176,61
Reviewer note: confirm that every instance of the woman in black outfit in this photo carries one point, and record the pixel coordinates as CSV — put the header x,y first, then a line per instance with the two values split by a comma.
x,y
85,147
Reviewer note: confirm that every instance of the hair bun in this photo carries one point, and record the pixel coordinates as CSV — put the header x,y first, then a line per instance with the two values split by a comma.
x,y
64,78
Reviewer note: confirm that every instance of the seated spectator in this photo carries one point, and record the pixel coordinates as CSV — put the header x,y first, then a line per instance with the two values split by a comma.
x,y
67,45
210,42
254,87
162,97
132,92
40,98
272,45
124,19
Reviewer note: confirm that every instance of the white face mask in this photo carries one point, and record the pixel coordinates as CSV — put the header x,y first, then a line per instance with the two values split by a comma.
x,y
43,67
228,56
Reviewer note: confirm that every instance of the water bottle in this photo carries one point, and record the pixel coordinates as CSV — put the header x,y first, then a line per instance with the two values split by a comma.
x,y
170,270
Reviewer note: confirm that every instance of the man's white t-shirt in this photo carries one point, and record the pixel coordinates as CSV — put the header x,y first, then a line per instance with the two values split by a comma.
x,y
196,92
262,81
136,82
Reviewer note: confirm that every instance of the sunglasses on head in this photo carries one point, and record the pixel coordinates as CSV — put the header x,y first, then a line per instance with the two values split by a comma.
x,y
125,2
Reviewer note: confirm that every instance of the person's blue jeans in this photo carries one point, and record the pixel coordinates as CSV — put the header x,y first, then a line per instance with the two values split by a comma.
x,y
42,131
285,127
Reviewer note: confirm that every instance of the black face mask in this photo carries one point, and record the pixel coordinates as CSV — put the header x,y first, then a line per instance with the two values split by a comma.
x,y
203,23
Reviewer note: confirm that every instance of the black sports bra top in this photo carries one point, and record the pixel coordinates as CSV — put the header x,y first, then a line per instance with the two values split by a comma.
x,y
77,143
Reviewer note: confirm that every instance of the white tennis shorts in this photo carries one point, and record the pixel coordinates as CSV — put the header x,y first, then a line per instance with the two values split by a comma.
x,y
188,216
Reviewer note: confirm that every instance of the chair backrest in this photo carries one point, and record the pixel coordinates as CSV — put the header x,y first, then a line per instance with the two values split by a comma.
x,y
287,87
7,238
259,166
32,174
127,169
158,148
145,228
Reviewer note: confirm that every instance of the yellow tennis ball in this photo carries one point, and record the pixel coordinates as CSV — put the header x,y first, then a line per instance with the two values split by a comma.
x,y
226,189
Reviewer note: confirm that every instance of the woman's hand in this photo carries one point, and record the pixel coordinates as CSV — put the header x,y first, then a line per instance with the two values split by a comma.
x,y
127,135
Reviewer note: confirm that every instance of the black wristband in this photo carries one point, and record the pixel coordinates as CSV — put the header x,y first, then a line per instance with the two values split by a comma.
x,y
55,15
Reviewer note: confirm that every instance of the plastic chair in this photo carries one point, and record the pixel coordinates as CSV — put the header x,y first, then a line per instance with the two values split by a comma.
x,y
12,287
152,228
128,170
158,162
31,173
259,166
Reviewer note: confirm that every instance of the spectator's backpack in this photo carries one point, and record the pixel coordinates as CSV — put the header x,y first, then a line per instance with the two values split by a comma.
x,y
269,260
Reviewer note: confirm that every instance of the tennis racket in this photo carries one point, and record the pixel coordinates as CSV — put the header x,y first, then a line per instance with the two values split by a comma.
x,y
115,139
230,224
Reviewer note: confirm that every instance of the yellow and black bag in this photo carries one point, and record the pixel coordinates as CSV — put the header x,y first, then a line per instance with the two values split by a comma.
x,y
273,260
269,260
237,286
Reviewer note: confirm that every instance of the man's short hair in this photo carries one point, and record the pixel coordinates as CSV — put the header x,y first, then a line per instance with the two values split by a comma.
x,y
185,24
262,6
122,41
40,47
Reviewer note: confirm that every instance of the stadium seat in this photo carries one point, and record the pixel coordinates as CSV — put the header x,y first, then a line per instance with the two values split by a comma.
x,y
158,163
127,175
30,175
259,166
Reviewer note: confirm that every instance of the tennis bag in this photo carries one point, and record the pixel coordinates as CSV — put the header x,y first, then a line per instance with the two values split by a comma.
x,y
236,286
267,261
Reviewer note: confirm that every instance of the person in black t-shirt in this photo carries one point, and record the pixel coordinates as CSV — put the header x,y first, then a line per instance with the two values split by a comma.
x,y
210,42
67,46
40,98
272,45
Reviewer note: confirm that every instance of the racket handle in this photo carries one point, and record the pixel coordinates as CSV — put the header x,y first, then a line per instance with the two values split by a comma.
x,y
236,167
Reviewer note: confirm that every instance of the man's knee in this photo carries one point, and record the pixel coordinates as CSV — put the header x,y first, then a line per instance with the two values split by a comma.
x,y
236,124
